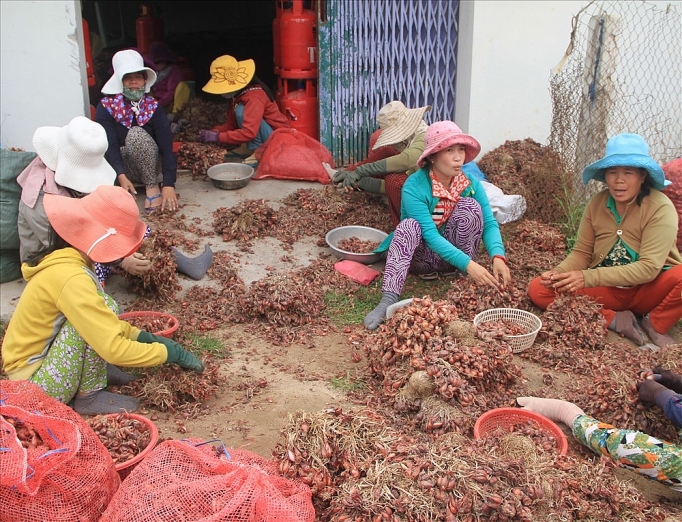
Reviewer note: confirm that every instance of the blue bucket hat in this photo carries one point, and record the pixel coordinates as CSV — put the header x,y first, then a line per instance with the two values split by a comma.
x,y
627,150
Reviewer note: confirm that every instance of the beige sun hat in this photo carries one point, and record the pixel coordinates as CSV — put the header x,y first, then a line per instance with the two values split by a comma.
x,y
228,75
125,62
397,123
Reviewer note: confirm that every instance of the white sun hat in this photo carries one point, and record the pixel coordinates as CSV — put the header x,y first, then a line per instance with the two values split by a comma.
x,y
125,62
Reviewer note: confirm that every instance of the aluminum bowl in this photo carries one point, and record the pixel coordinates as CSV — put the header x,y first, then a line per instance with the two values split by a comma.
x,y
365,233
230,176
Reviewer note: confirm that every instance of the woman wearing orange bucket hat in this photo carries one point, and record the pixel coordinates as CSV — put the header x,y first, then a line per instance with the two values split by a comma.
x,y
252,114
445,214
65,329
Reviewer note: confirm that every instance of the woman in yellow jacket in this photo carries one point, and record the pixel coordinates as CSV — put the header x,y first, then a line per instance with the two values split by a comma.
x,y
65,329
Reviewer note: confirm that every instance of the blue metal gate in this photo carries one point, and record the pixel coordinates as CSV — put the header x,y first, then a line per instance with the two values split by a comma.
x,y
375,51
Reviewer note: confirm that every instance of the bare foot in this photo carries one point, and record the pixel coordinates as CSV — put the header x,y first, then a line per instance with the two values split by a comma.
x,y
657,338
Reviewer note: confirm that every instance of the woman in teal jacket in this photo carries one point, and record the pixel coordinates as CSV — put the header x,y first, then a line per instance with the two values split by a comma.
x,y
444,216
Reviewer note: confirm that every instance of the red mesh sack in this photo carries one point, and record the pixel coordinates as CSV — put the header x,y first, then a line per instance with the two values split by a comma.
x,y
291,154
673,172
64,473
192,480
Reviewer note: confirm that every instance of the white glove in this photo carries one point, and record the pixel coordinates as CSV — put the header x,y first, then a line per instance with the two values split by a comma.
x,y
554,409
331,171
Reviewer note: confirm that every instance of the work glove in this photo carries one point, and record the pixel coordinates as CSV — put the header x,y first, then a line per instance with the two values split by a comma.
x,y
350,179
208,136
668,379
375,168
176,353
652,392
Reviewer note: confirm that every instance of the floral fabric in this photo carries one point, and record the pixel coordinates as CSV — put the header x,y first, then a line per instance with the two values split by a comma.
x,y
124,111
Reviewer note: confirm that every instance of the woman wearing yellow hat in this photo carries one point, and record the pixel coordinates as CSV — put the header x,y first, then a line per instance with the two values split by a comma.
x,y
252,114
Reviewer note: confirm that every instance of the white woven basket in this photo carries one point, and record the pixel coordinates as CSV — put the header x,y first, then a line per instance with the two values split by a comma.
x,y
530,322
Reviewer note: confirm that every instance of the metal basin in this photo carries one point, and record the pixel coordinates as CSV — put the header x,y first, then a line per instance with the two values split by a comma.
x,y
230,176
336,235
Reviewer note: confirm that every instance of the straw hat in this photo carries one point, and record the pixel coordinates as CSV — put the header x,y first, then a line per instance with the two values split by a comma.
x,y
228,75
627,150
443,134
125,62
75,153
397,123
105,224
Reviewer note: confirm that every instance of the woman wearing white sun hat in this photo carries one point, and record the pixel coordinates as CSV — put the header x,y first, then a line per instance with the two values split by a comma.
x,y
139,133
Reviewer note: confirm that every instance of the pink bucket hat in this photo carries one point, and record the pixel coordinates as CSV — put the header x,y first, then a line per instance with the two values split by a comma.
x,y
104,224
443,134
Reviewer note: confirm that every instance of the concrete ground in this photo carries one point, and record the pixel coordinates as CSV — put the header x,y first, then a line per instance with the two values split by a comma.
x,y
199,199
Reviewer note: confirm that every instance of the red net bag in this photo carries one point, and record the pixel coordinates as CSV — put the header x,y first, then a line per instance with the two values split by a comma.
x,y
53,465
291,154
192,480
673,172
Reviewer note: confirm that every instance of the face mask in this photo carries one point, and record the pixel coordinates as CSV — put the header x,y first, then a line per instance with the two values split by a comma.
x,y
133,95
229,96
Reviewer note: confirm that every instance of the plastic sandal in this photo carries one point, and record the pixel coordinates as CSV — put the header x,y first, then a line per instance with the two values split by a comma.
x,y
150,200
428,277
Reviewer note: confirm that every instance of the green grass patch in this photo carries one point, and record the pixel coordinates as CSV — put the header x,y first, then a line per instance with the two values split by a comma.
x,y
206,343
347,383
347,309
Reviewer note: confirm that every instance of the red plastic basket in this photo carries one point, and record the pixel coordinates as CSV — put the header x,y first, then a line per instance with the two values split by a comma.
x,y
508,417
124,468
168,332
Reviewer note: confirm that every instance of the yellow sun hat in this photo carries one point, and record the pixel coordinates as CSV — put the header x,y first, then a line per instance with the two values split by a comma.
x,y
228,75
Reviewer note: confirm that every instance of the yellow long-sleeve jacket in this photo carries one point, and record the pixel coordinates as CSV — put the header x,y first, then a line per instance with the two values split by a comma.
x,y
63,287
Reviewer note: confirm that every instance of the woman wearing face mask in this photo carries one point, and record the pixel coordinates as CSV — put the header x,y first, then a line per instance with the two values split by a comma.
x,y
139,134
252,114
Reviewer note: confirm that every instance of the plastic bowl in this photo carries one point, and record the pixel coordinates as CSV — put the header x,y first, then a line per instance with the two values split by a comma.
x,y
530,322
336,235
230,176
396,306
124,468
148,315
508,417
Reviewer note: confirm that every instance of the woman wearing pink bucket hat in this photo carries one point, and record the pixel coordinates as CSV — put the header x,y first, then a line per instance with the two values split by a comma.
x,y
444,216
625,255
65,332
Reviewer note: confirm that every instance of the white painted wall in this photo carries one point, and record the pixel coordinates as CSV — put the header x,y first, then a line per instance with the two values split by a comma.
x,y
41,78
507,50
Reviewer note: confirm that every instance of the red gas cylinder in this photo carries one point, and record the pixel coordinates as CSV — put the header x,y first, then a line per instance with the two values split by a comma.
x,y
88,54
298,42
276,36
297,99
148,29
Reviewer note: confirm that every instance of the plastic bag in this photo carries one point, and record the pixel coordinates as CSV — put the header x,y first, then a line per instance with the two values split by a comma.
x,y
505,208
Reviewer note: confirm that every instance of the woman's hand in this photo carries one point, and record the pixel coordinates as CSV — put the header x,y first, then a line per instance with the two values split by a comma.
x,y
501,270
126,184
481,276
169,199
136,264
566,282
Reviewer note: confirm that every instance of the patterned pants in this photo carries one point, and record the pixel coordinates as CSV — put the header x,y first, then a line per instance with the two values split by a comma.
x,y
141,158
646,455
71,366
408,252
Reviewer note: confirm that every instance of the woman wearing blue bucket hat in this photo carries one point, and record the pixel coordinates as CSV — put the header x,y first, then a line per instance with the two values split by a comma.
x,y
625,255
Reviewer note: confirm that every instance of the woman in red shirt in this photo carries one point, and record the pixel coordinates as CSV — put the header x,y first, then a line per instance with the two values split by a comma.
x,y
252,114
